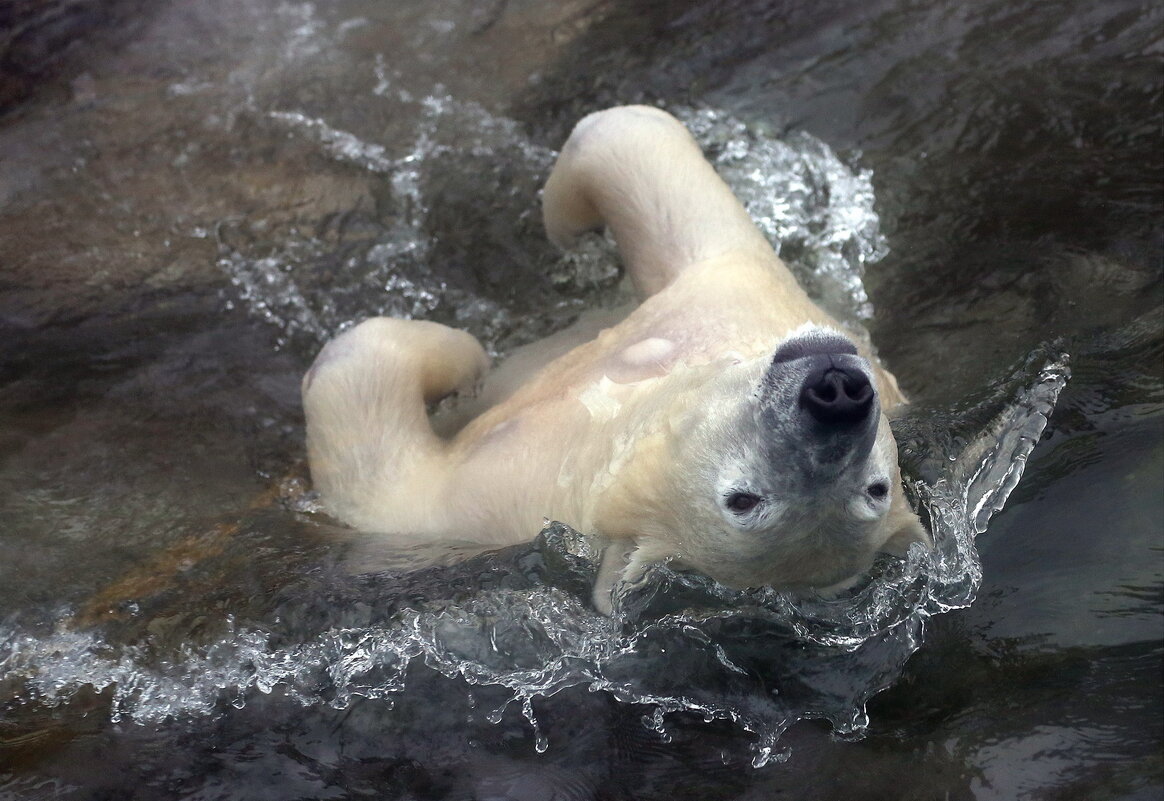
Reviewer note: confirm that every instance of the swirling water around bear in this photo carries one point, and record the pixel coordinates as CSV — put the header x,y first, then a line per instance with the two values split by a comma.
x,y
174,627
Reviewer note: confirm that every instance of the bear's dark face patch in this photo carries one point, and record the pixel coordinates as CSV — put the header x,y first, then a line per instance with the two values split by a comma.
x,y
798,477
818,407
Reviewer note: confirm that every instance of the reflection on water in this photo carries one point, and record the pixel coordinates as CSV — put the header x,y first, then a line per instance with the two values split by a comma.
x,y
189,215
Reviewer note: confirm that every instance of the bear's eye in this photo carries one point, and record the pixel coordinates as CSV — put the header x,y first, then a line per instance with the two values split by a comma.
x,y
878,490
741,502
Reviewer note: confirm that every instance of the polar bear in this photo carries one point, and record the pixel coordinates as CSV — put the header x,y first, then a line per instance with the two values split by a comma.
x,y
727,424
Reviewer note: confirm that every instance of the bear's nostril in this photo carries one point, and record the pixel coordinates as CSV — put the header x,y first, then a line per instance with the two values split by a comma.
x,y
838,396
825,393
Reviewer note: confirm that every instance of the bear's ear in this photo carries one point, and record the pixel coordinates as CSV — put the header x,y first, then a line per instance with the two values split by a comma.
x,y
622,566
905,529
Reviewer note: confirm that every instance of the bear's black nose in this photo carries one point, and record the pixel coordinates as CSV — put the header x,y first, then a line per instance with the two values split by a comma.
x,y
837,395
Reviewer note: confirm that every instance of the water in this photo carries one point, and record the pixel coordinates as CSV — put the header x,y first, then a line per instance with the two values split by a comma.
x,y
186,218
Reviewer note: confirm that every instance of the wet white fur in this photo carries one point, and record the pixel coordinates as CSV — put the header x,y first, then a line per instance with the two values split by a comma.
x,y
627,437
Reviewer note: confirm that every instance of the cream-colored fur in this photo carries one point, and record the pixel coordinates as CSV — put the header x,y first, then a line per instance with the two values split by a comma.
x,y
638,435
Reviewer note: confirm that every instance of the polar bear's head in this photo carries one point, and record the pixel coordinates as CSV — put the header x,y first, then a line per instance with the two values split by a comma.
x,y
780,471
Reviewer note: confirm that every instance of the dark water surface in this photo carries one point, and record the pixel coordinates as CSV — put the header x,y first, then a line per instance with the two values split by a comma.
x,y
195,195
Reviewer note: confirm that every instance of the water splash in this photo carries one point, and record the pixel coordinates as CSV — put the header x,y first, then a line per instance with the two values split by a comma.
x,y
317,279
817,212
759,658
341,146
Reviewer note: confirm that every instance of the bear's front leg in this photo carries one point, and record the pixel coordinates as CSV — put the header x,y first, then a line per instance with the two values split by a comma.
x,y
637,170
374,458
